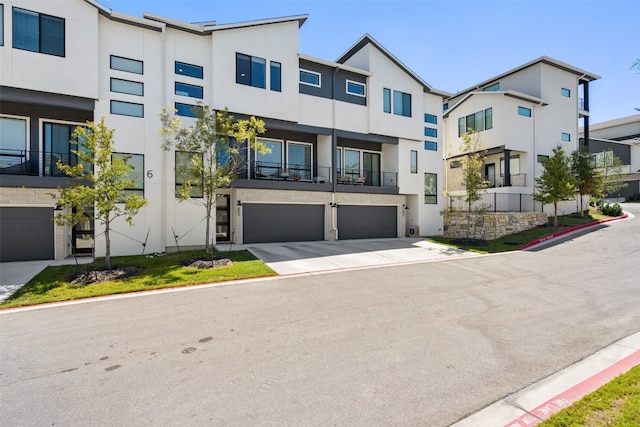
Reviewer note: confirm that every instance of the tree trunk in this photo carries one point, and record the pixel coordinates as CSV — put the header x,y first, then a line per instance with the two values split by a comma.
x,y
107,240
555,214
207,244
580,208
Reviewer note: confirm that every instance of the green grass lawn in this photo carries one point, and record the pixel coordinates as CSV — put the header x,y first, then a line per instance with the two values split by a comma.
x,y
616,403
158,272
514,241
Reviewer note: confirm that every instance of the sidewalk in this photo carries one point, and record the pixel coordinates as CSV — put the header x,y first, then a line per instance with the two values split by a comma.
x,y
533,404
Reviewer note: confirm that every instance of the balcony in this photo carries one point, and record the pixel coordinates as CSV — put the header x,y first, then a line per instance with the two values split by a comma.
x,y
517,180
34,163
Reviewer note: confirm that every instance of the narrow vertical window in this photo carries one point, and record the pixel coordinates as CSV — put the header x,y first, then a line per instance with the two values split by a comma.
x,y
462,126
275,76
430,188
258,72
1,25
414,161
386,100
243,69
488,118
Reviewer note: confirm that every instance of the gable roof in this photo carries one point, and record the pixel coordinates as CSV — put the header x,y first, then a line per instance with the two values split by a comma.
x,y
367,39
509,93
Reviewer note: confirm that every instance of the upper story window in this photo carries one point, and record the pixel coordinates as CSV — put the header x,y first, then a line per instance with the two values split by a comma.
x,y
565,92
126,86
125,64
122,108
310,78
251,71
431,146
37,32
492,88
401,103
1,25
476,122
431,132
566,136
13,140
59,144
445,106
526,112
430,118
414,161
356,88
187,110
192,91
386,100
135,174
275,76
189,70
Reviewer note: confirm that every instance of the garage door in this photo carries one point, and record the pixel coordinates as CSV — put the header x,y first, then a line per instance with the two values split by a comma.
x,y
265,223
26,234
367,222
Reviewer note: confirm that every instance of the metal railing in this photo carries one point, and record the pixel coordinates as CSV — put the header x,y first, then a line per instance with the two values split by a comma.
x,y
517,180
289,172
496,202
34,163
370,178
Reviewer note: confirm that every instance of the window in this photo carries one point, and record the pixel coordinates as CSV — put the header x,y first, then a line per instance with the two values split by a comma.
x,y
189,70
275,77
565,92
414,161
136,161
126,86
386,100
59,144
251,70
125,64
431,132
514,165
401,103
187,110
1,25
566,136
356,88
431,146
526,112
445,106
310,78
127,109
455,164
430,118
542,158
430,188
492,88
37,32
476,122
299,156
193,91
13,143
269,164
184,161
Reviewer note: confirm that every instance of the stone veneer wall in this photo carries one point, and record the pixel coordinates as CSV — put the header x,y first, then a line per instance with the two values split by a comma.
x,y
491,225
40,198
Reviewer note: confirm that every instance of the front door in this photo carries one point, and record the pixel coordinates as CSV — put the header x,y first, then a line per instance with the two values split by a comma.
x,y
223,218
490,174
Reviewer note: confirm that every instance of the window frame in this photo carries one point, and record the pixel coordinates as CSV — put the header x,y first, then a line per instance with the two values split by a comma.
x,y
565,92
405,101
541,157
200,90
24,152
430,194
117,101
1,24
386,100
131,60
430,132
413,161
311,73
178,105
565,136
111,80
196,192
430,118
133,190
197,75
431,145
492,87
278,86
355,83
42,35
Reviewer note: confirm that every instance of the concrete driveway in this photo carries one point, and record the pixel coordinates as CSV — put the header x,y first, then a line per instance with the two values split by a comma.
x,y
316,257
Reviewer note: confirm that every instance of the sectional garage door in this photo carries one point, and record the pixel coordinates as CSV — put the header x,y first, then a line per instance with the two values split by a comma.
x,y
266,223
26,234
367,222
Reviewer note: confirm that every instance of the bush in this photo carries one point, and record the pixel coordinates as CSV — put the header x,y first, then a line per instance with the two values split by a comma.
x,y
633,198
594,202
612,209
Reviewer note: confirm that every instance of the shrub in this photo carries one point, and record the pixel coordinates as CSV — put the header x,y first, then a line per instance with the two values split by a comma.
x,y
594,201
633,198
612,209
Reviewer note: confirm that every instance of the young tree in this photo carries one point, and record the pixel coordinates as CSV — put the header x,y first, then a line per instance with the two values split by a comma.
x,y
587,177
101,191
213,144
473,179
556,182
610,167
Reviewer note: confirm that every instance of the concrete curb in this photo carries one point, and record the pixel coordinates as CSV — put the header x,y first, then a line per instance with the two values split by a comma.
x,y
571,230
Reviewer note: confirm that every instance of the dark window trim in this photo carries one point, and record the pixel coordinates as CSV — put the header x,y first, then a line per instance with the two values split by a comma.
x,y
198,67
192,109
430,118
64,32
524,111
128,59
125,102
1,24
431,198
142,173
386,100
175,86
271,78
431,132
431,146
128,81
413,165
566,137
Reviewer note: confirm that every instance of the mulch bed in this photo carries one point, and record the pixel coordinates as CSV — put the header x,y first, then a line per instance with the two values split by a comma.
x,y
89,276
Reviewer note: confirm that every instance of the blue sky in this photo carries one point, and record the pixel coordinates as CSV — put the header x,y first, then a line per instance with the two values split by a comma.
x,y
454,44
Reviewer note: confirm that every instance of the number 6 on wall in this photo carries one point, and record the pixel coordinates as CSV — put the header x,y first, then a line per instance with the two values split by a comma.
x,y
149,173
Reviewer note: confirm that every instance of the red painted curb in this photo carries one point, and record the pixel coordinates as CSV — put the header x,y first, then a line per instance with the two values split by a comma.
x,y
575,393
569,230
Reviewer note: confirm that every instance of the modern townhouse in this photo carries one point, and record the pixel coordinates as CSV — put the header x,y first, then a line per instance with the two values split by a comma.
x,y
621,137
356,144
520,116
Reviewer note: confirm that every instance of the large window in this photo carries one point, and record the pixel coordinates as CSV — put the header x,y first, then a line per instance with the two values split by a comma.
x,y
299,161
127,109
386,100
136,161
476,122
355,165
37,32
188,70
269,165
401,103
59,144
251,71
430,188
184,89
125,64
184,162
310,78
126,86
13,144
356,88
275,76
414,161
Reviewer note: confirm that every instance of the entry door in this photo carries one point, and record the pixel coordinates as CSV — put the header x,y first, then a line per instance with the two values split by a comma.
x,y
490,174
371,165
223,219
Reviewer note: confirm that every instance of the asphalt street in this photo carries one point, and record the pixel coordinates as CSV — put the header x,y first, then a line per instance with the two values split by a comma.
x,y
418,344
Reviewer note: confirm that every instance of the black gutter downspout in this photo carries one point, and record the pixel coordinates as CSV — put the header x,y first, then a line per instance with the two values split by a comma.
x,y
507,168
585,123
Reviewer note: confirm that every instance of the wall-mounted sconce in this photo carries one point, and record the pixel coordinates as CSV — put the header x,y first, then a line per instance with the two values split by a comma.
x,y
405,207
239,202
334,205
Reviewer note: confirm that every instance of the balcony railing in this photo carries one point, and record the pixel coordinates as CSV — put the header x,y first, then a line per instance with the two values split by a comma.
x,y
35,163
581,104
289,172
371,178
517,180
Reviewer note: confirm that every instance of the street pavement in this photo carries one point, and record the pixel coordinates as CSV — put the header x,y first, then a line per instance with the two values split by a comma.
x,y
409,344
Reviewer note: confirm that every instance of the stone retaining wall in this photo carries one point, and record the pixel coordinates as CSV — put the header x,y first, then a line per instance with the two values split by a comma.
x,y
490,225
